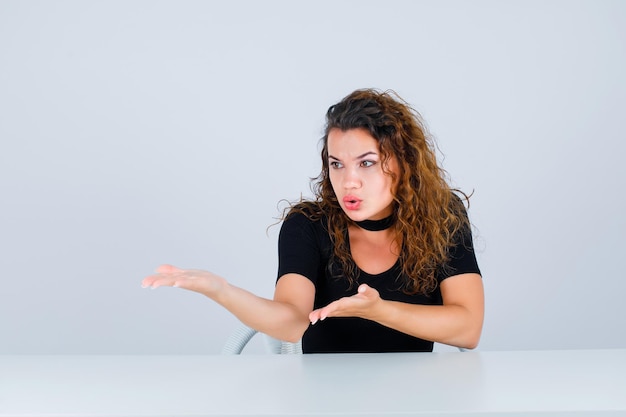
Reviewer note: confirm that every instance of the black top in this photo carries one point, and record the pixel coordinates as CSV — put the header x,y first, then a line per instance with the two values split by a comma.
x,y
305,248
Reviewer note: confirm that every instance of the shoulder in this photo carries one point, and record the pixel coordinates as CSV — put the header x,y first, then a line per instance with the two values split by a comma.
x,y
457,217
461,257
305,218
303,243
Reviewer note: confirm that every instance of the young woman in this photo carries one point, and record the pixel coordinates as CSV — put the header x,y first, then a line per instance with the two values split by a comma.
x,y
381,261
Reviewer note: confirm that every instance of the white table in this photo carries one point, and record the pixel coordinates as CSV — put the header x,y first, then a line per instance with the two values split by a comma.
x,y
541,383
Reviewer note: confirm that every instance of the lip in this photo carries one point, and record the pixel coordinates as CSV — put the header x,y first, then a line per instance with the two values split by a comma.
x,y
351,202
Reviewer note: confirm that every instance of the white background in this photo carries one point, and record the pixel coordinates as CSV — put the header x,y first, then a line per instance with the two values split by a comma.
x,y
135,133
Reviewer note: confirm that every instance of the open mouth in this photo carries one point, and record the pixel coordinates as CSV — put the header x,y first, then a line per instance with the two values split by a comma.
x,y
351,202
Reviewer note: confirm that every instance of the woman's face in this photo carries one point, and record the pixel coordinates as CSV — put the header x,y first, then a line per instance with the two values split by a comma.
x,y
356,173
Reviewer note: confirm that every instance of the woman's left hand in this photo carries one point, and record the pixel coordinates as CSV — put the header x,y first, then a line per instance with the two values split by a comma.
x,y
362,304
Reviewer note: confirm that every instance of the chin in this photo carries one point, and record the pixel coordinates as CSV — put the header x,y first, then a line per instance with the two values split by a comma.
x,y
356,217
351,215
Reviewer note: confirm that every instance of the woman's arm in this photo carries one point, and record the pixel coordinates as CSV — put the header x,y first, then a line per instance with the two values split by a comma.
x,y
285,317
457,322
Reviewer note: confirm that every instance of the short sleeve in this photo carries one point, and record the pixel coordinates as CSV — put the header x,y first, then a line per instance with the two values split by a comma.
x,y
299,247
461,256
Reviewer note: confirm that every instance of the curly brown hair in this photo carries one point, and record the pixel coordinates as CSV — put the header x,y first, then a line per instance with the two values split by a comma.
x,y
429,217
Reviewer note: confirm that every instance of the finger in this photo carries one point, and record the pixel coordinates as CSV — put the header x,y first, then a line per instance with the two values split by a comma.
x,y
159,280
314,316
367,291
168,269
146,282
329,310
320,314
149,281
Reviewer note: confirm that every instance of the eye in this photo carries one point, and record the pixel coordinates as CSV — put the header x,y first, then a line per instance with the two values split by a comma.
x,y
335,164
367,164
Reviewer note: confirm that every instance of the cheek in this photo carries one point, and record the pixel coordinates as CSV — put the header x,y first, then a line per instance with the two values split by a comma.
x,y
388,185
333,177
394,178
383,181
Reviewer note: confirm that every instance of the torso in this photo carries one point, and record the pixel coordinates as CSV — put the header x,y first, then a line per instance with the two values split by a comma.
x,y
305,248
373,252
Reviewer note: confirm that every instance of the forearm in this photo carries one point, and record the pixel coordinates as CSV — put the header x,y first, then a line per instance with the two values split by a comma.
x,y
450,324
277,319
284,318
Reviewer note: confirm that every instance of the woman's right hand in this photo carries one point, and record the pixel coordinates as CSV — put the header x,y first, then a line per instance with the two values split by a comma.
x,y
203,282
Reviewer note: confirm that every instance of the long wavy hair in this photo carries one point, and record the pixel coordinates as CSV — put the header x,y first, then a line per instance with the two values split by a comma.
x,y
428,215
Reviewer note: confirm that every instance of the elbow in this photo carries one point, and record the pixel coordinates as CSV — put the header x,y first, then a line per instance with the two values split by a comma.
x,y
465,343
282,336
466,337
471,339
470,336
471,344
295,334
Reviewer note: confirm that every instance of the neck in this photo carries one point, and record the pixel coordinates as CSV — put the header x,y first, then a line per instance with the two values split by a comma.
x,y
377,225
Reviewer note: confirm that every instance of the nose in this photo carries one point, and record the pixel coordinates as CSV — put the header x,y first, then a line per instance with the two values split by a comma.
x,y
351,179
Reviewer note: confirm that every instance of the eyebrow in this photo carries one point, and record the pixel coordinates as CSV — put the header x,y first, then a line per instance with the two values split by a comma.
x,y
358,157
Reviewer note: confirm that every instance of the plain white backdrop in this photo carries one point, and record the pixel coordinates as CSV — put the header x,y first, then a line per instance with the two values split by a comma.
x,y
135,133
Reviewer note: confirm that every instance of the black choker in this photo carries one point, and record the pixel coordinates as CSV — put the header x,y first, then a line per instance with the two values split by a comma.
x,y
377,225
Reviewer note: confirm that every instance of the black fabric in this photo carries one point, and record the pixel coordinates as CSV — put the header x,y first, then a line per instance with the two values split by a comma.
x,y
305,248
377,225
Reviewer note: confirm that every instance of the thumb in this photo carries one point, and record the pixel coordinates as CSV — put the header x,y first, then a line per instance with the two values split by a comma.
x,y
363,289
164,269
367,291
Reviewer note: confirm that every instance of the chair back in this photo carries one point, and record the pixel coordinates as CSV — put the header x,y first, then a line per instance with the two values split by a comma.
x,y
241,335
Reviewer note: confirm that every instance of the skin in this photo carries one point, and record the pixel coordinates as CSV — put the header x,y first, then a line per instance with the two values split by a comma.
x,y
355,171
